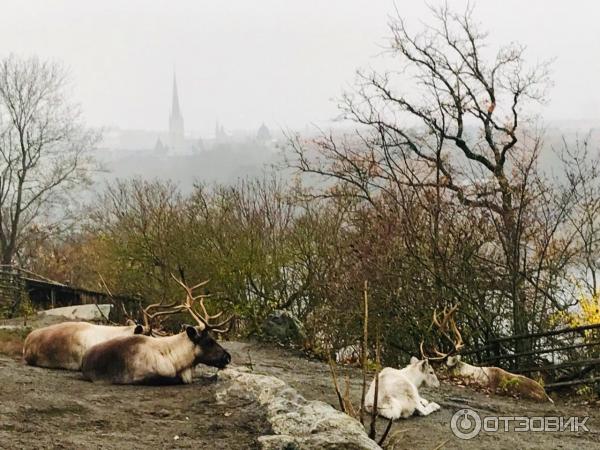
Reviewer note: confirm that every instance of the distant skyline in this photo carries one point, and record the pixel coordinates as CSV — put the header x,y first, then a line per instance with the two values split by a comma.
x,y
244,63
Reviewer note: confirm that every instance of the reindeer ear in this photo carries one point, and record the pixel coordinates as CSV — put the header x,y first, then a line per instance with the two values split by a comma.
x,y
453,360
414,360
138,329
191,332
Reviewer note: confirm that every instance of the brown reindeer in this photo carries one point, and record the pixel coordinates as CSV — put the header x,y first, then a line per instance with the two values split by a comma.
x,y
62,346
161,360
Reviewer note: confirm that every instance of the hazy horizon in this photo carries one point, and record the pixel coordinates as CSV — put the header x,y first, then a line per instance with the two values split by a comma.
x,y
282,63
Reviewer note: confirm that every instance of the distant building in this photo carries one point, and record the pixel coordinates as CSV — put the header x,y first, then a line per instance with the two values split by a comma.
x,y
176,134
160,148
177,144
263,134
220,134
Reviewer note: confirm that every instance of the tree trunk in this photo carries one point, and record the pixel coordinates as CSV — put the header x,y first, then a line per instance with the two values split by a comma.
x,y
520,315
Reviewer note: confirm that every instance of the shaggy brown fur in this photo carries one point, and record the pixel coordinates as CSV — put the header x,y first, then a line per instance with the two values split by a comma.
x,y
63,345
145,360
498,380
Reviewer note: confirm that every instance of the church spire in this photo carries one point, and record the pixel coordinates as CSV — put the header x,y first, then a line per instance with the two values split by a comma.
x,y
176,133
175,111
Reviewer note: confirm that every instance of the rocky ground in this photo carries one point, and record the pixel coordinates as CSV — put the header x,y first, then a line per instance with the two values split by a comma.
x,y
312,379
42,408
58,410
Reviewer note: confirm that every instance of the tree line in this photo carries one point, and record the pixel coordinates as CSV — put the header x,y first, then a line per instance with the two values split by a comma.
x,y
436,199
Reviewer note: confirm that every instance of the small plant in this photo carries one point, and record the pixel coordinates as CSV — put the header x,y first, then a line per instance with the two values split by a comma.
x,y
25,308
585,391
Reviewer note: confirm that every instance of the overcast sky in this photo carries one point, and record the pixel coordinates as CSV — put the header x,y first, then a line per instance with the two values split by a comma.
x,y
278,61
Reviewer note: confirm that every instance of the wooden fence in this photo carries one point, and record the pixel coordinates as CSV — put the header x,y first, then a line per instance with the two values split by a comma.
x,y
562,358
12,290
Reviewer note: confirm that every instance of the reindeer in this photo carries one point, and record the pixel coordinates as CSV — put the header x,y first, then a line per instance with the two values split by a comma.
x,y
62,346
496,379
161,360
398,391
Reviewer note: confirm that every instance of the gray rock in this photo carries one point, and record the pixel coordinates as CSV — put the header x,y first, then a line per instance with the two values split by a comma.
x,y
12,327
91,312
297,423
282,326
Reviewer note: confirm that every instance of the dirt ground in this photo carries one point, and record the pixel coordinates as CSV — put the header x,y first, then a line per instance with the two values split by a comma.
x,y
42,408
53,409
312,379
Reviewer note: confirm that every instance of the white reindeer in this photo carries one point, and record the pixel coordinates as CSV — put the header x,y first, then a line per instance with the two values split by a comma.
x,y
398,392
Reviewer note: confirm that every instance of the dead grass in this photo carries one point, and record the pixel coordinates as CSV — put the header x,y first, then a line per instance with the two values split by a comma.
x,y
11,342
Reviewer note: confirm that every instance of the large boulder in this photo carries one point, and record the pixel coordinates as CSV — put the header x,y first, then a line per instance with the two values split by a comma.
x,y
282,326
91,312
297,423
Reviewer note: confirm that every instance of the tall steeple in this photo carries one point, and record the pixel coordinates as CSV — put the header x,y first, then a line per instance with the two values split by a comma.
x,y
176,135
175,111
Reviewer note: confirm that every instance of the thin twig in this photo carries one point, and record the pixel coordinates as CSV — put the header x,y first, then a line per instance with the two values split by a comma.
x,y
363,350
373,430
250,361
385,433
441,445
335,383
347,400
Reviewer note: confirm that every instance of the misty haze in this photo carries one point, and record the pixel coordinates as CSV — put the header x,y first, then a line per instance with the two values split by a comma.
x,y
299,225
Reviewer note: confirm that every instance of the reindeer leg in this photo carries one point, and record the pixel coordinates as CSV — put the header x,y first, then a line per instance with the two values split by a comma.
x,y
422,410
425,407
187,376
430,406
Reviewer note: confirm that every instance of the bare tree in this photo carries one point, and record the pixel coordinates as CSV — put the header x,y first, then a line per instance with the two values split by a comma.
x,y
43,148
450,121
583,176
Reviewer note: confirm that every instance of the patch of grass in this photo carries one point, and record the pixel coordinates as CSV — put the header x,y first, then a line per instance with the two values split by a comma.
x,y
509,383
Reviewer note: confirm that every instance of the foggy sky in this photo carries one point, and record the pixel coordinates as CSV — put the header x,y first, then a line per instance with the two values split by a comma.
x,y
279,61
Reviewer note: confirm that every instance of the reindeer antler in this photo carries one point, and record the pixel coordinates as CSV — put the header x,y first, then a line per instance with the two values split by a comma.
x,y
129,319
153,320
446,325
201,316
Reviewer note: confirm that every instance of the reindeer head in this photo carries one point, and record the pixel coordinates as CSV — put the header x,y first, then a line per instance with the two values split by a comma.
x,y
454,365
423,372
207,350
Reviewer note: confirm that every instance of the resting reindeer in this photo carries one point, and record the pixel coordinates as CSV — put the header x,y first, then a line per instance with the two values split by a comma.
x,y
162,360
398,391
63,345
142,359
498,380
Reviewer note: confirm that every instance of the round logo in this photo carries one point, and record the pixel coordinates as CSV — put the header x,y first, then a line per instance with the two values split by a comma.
x,y
465,424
